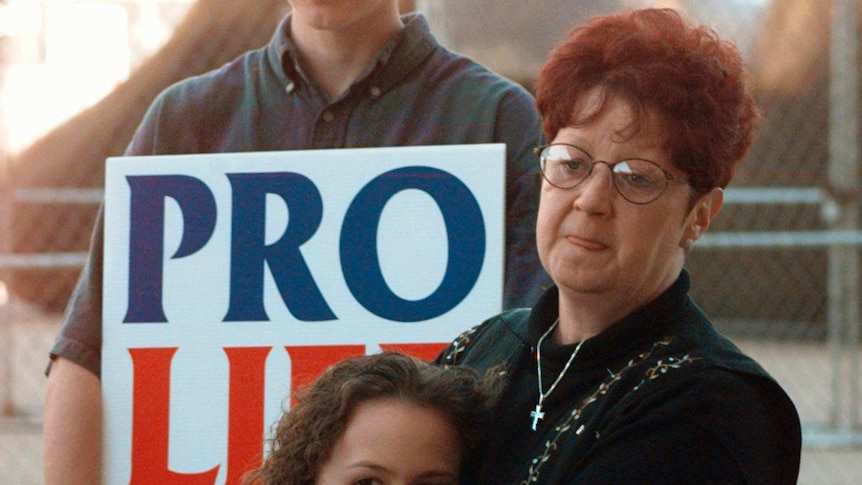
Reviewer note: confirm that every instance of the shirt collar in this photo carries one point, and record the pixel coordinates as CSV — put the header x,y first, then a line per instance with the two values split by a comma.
x,y
406,50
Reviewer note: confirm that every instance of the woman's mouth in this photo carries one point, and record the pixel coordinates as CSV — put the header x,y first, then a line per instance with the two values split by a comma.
x,y
586,243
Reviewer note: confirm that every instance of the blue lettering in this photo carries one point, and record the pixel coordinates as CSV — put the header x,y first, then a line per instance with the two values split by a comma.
x,y
146,236
465,230
249,251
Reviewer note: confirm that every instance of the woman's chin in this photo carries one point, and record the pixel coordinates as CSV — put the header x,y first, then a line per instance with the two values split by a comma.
x,y
582,282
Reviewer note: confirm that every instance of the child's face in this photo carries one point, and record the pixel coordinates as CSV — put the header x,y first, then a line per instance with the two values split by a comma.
x,y
392,442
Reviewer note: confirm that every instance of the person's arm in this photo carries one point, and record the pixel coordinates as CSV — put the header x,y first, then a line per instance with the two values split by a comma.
x,y
72,425
73,399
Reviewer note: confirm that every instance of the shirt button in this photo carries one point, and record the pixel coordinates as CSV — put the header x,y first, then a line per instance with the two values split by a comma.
x,y
375,91
328,116
290,87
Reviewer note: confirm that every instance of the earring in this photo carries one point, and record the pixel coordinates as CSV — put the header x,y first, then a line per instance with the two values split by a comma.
x,y
686,244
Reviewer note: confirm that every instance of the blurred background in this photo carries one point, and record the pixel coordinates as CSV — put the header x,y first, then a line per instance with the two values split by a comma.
x,y
779,271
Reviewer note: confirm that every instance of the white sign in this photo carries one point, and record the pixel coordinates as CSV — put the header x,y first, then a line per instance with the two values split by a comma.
x,y
231,280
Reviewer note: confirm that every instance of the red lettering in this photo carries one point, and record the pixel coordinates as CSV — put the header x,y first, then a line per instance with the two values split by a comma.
x,y
426,352
245,427
151,393
307,362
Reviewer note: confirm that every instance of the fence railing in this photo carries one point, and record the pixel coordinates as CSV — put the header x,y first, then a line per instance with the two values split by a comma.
x,y
11,262
844,320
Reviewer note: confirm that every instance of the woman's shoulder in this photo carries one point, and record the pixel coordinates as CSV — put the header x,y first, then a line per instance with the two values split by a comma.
x,y
695,335
500,336
729,407
749,415
708,375
707,420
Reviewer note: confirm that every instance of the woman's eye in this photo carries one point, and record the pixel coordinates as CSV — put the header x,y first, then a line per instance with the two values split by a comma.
x,y
635,180
574,164
368,481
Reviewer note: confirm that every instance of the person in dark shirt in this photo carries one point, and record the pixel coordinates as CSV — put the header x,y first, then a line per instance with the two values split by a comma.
x,y
615,376
336,74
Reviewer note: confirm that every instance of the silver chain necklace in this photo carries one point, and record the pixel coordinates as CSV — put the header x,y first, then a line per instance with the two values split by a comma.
x,y
537,414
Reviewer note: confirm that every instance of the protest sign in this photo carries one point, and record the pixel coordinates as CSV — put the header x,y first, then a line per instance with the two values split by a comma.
x,y
231,280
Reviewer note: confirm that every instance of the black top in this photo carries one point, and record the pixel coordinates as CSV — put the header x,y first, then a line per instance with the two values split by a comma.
x,y
658,397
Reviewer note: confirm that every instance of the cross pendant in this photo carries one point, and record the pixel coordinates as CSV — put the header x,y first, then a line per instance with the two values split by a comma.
x,y
537,414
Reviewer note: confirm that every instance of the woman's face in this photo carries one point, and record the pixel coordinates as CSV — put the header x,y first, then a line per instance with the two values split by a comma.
x,y
594,242
391,442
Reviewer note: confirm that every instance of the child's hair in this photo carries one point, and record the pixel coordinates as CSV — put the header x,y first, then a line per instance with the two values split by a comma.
x,y
305,435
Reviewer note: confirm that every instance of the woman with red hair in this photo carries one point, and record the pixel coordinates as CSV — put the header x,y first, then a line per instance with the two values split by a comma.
x,y
615,375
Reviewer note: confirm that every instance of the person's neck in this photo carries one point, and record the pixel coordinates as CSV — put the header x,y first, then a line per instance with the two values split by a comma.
x,y
334,59
581,320
585,314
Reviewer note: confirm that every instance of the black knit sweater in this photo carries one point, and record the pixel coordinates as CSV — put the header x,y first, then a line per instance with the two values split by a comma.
x,y
658,397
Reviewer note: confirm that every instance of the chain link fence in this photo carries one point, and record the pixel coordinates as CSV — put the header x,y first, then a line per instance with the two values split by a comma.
x,y
779,271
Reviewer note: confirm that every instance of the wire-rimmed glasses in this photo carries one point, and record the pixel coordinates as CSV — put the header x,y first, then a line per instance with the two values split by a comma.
x,y
639,181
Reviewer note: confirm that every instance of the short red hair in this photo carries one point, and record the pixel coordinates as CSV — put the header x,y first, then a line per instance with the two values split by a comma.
x,y
655,60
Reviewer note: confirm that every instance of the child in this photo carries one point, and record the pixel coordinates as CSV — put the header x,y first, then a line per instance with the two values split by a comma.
x,y
380,419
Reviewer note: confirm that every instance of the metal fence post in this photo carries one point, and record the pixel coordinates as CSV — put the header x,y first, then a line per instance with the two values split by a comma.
x,y
7,403
7,406
844,176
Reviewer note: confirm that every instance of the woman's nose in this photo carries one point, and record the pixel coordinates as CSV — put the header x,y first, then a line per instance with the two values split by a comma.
x,y
595,194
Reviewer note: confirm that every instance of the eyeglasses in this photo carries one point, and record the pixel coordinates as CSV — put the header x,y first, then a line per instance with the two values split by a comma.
x,y
639,181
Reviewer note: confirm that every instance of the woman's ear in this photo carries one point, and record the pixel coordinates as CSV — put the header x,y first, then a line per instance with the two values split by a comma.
x,y
701,216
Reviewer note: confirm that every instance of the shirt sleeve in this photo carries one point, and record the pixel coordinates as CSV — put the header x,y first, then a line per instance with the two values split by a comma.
x,y
80,337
